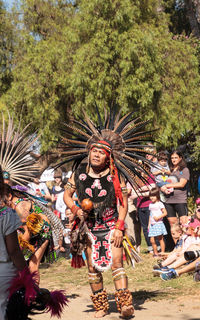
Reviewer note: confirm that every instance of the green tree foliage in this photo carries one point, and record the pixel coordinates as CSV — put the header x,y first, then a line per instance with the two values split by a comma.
x,y
6,49
112,52
42,59
128,57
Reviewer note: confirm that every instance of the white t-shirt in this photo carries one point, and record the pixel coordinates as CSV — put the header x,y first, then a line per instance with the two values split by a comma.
x,y
33,188
155,211
67,236
60,205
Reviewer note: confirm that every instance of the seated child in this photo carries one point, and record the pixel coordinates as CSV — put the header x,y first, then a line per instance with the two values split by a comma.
x,y
194,222
190,240
170,257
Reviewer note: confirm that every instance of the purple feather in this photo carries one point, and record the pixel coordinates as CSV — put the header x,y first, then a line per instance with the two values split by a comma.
x,y
56,303
20,188
25,279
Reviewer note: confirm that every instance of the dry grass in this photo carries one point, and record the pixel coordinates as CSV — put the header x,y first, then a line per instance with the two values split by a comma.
x,y
141,281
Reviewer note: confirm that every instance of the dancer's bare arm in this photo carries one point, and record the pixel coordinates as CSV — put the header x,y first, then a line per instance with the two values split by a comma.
x,y
118,234
68,196
14,250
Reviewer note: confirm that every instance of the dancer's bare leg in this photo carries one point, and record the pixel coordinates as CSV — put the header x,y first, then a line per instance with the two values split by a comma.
x,y
123,295
95,280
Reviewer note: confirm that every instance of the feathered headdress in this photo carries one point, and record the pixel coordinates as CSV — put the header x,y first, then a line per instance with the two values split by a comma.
x,y
126,137
15,148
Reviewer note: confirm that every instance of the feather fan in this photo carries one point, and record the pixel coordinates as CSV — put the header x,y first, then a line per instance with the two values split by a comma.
x,y
15,149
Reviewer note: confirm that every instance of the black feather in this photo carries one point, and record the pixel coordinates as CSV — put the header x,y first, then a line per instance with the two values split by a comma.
x,y
100,124
123,123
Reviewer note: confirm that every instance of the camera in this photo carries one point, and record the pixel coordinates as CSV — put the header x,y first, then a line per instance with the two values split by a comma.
x,y
67,220
191,255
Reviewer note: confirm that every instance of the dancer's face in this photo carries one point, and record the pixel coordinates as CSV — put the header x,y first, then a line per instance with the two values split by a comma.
x,y
98,158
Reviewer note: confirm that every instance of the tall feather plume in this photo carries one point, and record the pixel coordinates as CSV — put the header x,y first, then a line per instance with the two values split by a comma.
x,y
90,124
106,122
126,135
99,118
122,122
15,149
83,125
112,118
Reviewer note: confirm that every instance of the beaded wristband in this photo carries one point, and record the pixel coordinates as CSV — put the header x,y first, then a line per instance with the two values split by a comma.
x,y
74,209
119,225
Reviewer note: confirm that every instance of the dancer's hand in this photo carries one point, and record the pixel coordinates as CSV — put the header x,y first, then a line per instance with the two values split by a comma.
x,y
117,238
81,214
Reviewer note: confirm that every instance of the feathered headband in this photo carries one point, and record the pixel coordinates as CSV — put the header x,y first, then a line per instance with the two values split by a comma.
x,y
126,137
15,160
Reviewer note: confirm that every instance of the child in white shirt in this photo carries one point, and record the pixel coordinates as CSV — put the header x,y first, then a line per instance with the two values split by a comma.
x,y
156,226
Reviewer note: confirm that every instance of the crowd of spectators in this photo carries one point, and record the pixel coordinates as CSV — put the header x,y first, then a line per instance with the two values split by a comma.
x,y
158,208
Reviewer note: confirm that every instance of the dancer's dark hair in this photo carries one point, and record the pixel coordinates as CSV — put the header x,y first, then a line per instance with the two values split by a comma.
x,y
2,188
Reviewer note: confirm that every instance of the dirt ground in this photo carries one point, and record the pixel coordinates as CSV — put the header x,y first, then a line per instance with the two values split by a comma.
x,y
80,307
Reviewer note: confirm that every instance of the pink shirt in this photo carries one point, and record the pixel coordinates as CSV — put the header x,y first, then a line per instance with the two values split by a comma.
x,y
195,223
144,202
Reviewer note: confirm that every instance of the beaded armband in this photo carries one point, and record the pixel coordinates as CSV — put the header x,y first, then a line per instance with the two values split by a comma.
x,y
119,225
20,200
69,185
74,209
124,190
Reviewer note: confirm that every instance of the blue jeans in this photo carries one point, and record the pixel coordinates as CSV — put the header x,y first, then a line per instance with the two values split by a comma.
x,y
143,214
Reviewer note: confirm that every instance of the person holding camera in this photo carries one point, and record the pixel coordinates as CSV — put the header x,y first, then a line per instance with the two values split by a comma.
x,y
190,248
193,266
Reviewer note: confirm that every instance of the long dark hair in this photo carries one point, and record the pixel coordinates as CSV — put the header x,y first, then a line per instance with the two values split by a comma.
x,y
182,164
2,189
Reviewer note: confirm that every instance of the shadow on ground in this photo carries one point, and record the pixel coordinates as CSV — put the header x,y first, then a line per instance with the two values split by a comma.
x,y
72,296
139,297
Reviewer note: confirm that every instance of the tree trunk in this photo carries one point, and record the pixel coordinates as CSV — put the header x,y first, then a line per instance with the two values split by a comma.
x,y
193,13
